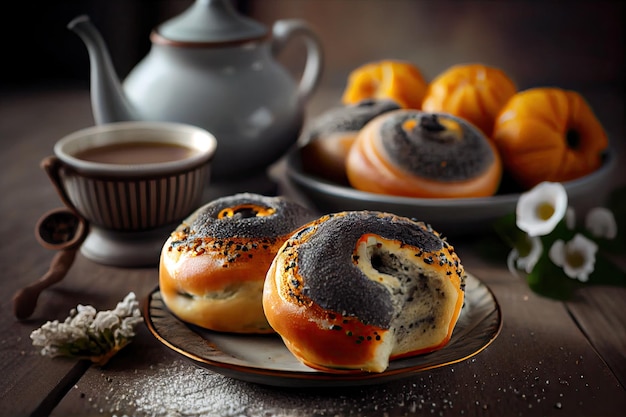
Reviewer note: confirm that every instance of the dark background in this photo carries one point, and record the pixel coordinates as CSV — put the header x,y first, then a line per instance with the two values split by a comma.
x,y
573,44
41,51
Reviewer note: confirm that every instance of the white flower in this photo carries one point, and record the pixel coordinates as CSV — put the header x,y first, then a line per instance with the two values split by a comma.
x,y
511,262
52,337
128,306
127,327
81,316
105,320
539,210
577,257
526,263
601,223
87,333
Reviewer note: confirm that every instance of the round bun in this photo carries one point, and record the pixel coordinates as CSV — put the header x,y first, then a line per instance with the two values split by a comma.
x,y
213,265
417,154
328,140
353,290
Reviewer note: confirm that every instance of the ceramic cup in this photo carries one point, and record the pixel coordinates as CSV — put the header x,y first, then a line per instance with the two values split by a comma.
x,y
133,182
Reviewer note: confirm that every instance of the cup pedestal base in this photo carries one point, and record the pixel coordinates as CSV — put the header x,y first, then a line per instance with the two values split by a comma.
x,y
143,249
125,249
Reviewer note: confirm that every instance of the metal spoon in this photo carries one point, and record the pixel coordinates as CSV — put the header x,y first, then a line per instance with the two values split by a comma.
x,y
60,229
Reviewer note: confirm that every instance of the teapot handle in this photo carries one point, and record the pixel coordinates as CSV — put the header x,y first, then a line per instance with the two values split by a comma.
x,y
282,32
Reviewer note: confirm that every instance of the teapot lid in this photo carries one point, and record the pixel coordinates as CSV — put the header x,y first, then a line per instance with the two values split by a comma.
x,y
211,21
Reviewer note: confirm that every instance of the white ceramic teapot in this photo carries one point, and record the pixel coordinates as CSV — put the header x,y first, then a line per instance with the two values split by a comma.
x,y
216,69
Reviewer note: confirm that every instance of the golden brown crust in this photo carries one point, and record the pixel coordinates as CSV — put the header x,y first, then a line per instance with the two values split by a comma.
x,y
400,153
233,308
334,314
326,156
213,265
328,140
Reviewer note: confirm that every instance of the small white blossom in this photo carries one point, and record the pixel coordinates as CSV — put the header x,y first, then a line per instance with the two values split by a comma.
x,y
525,263
127,328
127,307
87,333
81,317
539,210
601,223
577,257
528,262
105,320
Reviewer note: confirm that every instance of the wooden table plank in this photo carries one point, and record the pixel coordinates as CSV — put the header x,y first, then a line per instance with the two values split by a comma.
x,y
541,364
29,126
600,313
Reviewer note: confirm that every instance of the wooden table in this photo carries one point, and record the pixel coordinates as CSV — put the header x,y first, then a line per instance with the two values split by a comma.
x,y
551,358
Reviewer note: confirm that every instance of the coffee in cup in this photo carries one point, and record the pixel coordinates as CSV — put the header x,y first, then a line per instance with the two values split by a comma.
x,y
133,182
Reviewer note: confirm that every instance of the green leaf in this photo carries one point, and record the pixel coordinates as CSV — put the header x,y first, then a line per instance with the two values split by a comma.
x,y
507,229
490,248
549,280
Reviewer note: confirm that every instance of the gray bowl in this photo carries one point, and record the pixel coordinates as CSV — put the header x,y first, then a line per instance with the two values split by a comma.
x,y
453,216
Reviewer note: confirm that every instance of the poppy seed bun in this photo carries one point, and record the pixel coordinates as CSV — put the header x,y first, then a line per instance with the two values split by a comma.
x,y
353,290
328,140
213,265
416,154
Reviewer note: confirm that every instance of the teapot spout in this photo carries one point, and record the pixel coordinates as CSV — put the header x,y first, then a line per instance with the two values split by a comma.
x,y
108,101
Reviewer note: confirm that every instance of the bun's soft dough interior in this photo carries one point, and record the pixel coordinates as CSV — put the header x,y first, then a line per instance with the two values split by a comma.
x,y
354,290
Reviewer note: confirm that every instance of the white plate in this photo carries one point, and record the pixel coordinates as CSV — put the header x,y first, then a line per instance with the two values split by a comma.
x,y
264,359
452,216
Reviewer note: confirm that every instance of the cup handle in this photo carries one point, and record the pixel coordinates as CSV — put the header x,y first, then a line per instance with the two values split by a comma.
x,y
282,32
52,166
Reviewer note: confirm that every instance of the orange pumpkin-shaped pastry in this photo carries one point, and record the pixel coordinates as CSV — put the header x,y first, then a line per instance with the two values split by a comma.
x,y
549,134
418,154
353,290
474,92
399,81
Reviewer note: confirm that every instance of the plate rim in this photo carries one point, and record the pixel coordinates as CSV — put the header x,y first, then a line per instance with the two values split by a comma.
x,y
296,174
273,376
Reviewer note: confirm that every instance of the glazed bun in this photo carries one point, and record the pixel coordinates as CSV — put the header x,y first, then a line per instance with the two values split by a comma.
x,y
417,154
354,290
328,140
213,265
